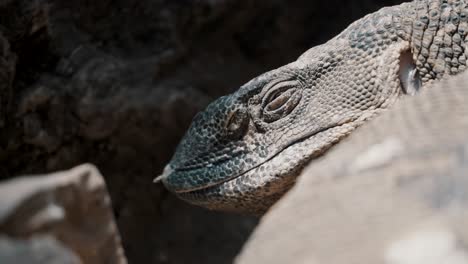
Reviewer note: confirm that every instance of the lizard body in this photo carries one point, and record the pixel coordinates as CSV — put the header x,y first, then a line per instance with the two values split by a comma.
x,y
245,150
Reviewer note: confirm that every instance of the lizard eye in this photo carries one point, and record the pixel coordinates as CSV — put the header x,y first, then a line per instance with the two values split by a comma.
x,y
237,124
280,100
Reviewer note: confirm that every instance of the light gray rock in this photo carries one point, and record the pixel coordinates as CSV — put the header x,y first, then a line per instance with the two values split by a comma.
x,y
37,250
71,206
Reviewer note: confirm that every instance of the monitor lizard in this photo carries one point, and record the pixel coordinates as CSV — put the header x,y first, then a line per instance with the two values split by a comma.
x,y
246,149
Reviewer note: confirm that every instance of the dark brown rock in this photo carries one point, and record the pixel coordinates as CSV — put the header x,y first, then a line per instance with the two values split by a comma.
x,y
7,73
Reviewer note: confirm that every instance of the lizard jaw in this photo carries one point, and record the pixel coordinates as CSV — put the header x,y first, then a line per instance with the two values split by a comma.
x,y
168,170
253,193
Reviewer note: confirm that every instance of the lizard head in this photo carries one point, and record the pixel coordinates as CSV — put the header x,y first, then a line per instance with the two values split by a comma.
x,y
245,149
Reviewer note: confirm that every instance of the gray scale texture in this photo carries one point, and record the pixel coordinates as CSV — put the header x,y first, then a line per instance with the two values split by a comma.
x,y
246,149
394,191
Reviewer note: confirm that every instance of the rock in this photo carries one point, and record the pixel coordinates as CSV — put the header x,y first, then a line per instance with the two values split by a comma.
x,y
7,73
71,206
36,250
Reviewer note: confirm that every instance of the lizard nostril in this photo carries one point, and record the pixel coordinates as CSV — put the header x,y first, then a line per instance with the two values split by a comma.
x,y
238,124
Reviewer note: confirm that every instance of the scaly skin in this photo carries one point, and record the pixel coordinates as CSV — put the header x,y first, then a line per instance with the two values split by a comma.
x,y
247,148
397,195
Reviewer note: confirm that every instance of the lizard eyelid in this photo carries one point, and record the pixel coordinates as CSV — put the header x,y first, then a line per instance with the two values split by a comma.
x,y
278,90
280,100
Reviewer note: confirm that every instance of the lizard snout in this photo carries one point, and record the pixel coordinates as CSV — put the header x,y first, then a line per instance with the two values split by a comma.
x,y
166,172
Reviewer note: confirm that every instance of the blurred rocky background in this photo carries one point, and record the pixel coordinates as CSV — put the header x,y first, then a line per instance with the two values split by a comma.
x,y
116,83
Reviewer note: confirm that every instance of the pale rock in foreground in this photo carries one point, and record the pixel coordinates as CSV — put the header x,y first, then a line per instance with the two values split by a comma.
x,y
37,250
72,207
394,192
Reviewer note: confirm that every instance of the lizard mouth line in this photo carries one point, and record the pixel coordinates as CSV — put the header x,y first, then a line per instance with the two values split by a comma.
x,y
292,143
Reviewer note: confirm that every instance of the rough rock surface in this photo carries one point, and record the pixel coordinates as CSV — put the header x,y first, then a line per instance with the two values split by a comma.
x,y
72,206
116,83
394,192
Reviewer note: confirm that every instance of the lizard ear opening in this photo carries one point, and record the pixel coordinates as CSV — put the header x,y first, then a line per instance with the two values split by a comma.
x,y
408,73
